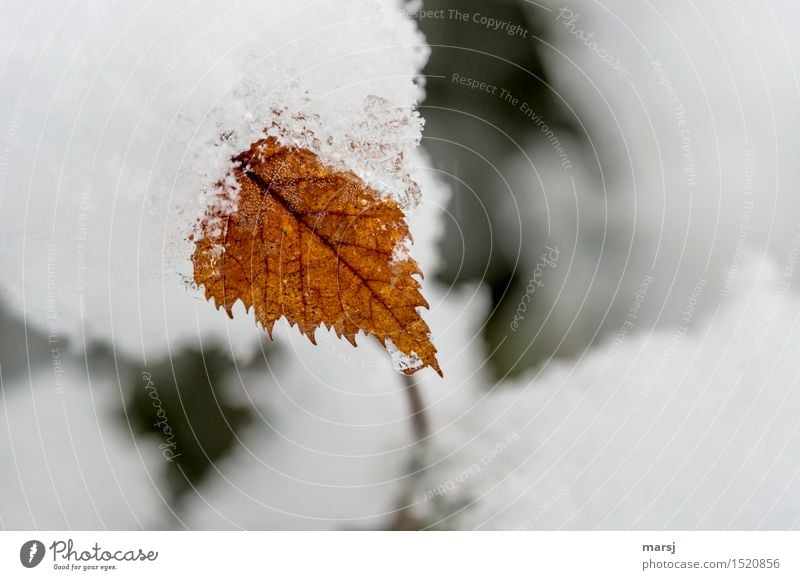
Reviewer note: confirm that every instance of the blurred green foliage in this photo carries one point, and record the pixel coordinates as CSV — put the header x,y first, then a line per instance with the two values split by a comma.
x,y
182,404
472,133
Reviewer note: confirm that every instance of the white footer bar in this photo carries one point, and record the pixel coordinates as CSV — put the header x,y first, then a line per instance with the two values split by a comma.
x,y
400,555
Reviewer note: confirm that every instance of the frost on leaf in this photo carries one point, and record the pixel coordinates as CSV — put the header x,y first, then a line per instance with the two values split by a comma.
x,y
317,246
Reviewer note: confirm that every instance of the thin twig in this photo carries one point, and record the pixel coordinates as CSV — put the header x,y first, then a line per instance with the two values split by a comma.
x,y
419,418
404,520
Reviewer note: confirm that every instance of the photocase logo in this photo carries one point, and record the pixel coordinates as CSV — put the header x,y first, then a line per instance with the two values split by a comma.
x,y
31,553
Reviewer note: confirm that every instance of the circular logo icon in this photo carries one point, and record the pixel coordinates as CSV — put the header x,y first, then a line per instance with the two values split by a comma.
x,y
31,553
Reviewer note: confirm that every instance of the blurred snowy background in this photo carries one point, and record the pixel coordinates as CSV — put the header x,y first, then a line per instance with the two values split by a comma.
x,y
609,226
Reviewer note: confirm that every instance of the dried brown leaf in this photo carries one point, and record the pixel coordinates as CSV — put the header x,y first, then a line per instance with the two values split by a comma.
x,y
317,246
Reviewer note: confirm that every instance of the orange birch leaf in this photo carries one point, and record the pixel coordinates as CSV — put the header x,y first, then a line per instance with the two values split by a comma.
x,y
317,246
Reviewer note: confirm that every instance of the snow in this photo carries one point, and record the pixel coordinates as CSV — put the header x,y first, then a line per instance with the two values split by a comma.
x,y
69,462
120,120
684,430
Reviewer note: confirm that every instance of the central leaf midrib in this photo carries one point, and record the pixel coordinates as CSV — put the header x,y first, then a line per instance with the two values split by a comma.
x,y
266,187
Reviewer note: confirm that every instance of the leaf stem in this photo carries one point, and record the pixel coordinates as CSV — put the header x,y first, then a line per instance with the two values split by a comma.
x,y
419,417
404,519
